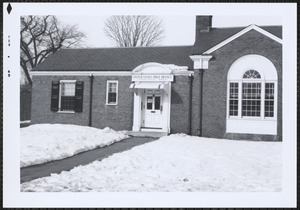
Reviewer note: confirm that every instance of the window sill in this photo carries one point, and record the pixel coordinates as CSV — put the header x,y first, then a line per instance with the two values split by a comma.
x,y
111,104
250,118
66,112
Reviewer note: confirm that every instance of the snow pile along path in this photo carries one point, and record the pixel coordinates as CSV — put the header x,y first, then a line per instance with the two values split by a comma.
x,y
46,142
176,163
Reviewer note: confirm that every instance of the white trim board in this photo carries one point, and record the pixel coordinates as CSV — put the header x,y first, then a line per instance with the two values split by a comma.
x,y
81,73
242,32
96,73
107,91
201,61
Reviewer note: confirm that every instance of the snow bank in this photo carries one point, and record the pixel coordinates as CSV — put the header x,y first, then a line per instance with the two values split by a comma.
x,y
45,142
176,163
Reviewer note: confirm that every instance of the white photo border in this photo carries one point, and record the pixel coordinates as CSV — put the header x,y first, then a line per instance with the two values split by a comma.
x,y
12,197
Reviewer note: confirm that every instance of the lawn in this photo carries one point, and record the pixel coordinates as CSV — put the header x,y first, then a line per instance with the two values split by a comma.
x,y
46,142
176,163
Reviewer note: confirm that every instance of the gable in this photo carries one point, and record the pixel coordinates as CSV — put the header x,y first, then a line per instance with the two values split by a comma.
x,y
205,41
242,32
217,37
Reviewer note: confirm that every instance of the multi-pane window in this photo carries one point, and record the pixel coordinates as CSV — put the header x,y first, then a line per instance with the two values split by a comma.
x,y
67,96
233,99
67,100
157,103
149,99
251,74
149,102
252,92
251,96
112,93
251,101
153,99
269,100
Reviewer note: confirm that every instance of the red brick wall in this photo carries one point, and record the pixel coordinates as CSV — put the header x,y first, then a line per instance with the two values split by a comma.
x,y
196,104
41,101
215,81
117,117
180,105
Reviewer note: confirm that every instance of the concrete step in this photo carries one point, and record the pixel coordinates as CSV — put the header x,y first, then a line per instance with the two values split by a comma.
x,y
147,133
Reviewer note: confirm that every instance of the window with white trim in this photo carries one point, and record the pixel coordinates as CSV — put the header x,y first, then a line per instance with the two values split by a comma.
x,y
234,99
252,96
251,74
67,95
250,101
112,92
269,99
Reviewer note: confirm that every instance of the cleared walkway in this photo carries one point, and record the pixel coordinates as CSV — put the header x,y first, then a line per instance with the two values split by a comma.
x,y
37,171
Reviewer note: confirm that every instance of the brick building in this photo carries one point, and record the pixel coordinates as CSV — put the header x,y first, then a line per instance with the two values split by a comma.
x,y
227,85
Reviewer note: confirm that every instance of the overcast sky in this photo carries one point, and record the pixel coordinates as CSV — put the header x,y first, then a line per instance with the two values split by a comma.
x,y
179,30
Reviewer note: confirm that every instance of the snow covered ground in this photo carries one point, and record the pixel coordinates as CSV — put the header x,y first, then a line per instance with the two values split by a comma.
x,y
176,163
45,142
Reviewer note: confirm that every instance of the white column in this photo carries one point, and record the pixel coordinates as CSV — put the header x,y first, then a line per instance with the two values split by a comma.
x,y
166,108
169,108
137,110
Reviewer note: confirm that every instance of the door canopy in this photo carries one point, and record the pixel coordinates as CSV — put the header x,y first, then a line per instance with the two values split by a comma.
x,y
157,68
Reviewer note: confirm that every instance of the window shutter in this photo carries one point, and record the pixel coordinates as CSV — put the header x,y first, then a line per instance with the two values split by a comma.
x,y
54,96
79,96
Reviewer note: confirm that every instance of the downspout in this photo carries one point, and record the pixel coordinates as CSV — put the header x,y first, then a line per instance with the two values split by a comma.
x,y
200,100
91,99
200,63
190,104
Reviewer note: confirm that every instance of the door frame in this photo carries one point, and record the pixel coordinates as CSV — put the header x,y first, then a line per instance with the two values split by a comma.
x,y
145,109
138,111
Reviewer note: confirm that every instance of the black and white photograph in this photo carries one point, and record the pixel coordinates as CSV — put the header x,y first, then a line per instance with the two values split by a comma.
x,y
149,105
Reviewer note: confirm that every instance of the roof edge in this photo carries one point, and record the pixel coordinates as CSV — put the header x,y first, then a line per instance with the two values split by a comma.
x,y
95,48
242,32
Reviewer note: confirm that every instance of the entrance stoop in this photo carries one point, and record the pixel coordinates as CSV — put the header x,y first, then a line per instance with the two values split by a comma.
x,y
147,134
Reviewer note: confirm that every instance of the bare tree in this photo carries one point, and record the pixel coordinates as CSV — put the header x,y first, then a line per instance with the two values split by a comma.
x,y
133,31
42,36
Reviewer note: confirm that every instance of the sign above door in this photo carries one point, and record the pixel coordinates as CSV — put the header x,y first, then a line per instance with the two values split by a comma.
x,y
152,78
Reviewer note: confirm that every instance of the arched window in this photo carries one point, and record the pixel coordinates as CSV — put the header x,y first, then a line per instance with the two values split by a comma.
x,y
252,90
251,98
251,74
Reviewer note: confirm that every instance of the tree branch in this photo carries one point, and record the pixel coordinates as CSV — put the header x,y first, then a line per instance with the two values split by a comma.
x,y
132,31
41,36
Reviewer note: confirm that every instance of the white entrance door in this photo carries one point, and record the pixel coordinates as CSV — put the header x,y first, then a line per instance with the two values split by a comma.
x,y
153,109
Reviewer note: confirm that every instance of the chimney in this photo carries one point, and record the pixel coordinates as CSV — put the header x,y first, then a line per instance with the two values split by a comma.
x,y
203,24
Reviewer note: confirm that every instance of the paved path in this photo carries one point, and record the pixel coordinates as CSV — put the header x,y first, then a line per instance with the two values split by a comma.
x,y
36,171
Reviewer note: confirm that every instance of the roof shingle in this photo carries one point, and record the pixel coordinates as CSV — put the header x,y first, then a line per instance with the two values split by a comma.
x,y
205,41
114,59
126,59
